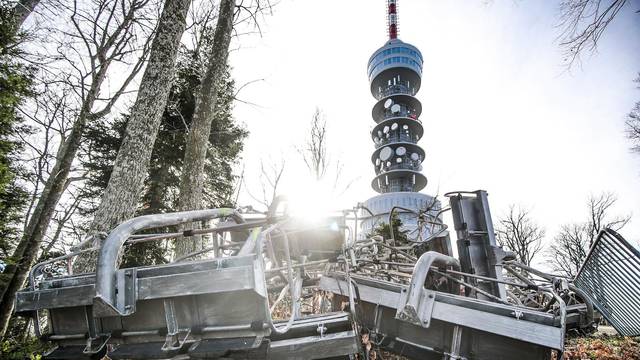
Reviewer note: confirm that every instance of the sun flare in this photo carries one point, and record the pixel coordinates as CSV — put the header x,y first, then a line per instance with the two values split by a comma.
x,y
312,200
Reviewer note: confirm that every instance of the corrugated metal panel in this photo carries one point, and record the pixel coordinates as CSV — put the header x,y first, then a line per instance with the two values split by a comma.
x,y
611,278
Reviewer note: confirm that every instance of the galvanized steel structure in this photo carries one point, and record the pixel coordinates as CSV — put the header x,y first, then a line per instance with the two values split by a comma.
x,y
411,297
610,277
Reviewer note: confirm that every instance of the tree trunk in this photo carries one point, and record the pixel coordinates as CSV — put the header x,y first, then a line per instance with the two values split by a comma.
x,y
21,12
191,185
123,191
26,252
156,191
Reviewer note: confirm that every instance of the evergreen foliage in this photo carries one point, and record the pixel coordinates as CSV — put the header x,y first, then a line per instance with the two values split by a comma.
x,y
162,183
15,86
15,348
384,230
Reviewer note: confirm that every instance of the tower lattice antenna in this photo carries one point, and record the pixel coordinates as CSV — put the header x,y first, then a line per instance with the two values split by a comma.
x,y
392,18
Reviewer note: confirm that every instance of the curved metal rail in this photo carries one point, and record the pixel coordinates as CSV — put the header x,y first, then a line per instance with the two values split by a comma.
x,y
105,303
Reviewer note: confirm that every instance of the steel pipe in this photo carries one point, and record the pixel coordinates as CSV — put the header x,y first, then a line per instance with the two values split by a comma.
x,y
32,284
419,276
228,328
105,299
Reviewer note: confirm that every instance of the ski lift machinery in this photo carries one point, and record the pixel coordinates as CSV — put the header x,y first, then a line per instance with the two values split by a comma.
x,y
214,303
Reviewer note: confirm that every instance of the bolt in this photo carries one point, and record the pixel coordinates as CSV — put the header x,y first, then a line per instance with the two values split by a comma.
x,y
321,329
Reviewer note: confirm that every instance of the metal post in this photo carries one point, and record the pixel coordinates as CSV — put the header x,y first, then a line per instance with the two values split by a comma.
x,y
477,248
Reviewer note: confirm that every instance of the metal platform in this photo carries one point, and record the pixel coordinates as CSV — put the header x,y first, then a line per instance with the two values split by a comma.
x,y
450,325
204,309
412,298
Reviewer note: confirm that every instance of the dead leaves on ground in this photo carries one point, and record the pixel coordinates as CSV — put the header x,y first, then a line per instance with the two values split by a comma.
x,y
602,348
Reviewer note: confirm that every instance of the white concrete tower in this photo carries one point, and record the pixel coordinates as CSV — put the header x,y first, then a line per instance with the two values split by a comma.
x,y
395,74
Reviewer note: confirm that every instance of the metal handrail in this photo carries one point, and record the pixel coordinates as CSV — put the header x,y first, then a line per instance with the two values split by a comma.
x,y
402,166
404,112
421,269
395,138
255,245
396,89
31,283
295,287
110,251
141,238
396,187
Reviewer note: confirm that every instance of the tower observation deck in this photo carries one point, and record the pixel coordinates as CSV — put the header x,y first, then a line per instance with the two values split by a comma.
x,y
395,72
395,76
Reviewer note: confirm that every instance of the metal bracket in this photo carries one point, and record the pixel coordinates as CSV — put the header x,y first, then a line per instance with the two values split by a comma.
x,y
172,341
91,348
497,255
93,336
105,301
125,296
416,302
321,329
420,315
126,280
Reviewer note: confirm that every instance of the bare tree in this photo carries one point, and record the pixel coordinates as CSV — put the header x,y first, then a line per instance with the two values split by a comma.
x,y
51,115
314,152
192,179
317,157
519,233
63,224
270,177
633,124
569,249
571,245
582,24
600,217
107,32
121,197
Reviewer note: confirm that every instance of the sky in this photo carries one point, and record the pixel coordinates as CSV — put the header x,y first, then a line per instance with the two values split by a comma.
x,y
500,111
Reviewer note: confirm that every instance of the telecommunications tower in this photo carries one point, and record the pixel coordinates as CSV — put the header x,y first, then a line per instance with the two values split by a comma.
x,y
395,72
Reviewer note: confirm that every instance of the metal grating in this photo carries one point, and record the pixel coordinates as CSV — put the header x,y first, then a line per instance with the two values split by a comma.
x,y
610,276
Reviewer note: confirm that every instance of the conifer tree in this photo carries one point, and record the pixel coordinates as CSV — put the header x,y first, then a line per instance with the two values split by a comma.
x,y
15,86
161,185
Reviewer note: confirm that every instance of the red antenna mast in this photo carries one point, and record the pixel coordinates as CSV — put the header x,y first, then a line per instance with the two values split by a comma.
x,y
392,18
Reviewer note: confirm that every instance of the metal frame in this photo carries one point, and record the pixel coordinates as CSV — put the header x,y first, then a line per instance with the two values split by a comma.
x,y
220,306
610,278
477,247
522,324
120,307
416,304
106,303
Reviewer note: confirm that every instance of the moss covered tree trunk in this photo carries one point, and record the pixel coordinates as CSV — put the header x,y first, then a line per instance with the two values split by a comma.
x,y
192,180
122,195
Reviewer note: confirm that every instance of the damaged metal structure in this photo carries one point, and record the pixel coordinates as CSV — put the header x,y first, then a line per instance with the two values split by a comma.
x,y
206,308
372,286
405,296
481,305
